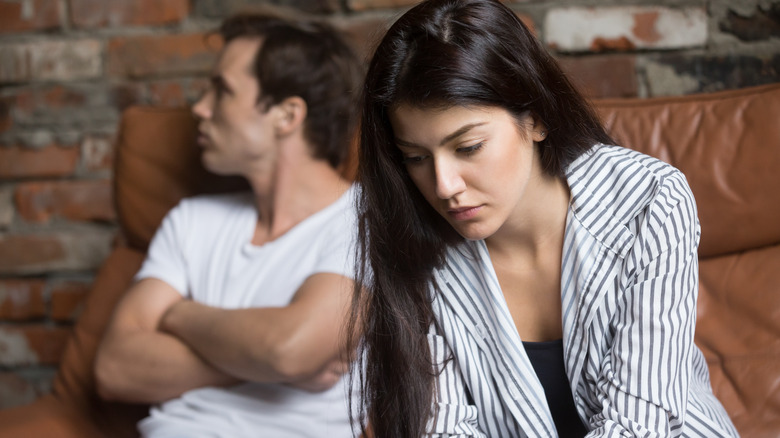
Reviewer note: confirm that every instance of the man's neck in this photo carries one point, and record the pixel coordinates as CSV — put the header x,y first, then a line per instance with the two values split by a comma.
x,y
291,194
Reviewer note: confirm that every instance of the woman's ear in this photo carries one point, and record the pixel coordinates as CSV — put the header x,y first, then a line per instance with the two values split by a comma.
x,y
538,129
291,113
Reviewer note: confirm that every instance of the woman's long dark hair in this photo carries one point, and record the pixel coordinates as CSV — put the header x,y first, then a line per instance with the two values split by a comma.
x,y
441,53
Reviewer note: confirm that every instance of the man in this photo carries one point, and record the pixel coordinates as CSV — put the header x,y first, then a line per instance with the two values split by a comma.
x,y
233,327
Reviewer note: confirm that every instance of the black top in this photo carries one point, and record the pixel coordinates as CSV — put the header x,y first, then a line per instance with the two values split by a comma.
x,y
547,360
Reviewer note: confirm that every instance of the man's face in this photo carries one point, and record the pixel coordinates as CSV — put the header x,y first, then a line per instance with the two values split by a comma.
x,y
235,132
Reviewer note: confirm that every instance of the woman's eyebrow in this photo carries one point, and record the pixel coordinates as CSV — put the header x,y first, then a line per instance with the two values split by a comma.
x,y
460,131
463,129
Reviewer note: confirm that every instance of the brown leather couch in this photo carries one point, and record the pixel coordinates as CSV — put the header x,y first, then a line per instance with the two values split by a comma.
x,y
727,144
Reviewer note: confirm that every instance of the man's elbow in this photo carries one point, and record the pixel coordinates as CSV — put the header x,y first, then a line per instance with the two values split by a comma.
x,y
295,361
106,378
111,381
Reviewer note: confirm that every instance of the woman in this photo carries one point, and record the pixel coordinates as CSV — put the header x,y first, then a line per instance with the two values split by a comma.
x,y
521,277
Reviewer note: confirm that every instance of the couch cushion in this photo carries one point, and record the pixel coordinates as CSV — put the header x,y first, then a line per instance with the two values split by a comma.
x,y
728,146
738,329
74,386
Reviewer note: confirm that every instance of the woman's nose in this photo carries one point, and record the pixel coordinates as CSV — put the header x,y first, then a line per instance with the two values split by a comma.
x,y
449,181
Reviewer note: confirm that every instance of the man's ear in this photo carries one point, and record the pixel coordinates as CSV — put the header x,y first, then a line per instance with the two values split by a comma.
x,y
290,115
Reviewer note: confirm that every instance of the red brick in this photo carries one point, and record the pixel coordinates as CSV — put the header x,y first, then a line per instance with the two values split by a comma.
x,y
51,161
81,249
65,105
145,56
58,97
5,114
102,13
362,5
603,76
528,21
363,33
21,299
176,93
32,345
73,200
21,16
15,391
67,300
18,252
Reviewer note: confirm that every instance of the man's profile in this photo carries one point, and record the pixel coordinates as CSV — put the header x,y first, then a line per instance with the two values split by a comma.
x,y
232,327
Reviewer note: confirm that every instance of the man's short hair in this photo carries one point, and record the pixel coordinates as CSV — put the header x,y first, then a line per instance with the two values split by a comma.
x,y
309,59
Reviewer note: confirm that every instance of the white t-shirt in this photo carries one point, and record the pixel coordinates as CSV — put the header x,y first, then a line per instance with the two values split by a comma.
x,y
203,249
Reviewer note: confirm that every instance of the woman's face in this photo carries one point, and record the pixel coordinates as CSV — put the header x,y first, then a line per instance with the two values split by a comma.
x,y
472,164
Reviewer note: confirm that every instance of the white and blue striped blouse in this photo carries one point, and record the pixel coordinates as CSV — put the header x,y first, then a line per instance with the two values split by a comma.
x,y
629,287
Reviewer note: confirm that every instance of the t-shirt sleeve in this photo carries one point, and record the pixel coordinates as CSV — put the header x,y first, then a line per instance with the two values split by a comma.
x,y
337,254
165,259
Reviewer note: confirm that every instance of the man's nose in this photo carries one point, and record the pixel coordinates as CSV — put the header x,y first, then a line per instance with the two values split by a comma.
x,y
202,108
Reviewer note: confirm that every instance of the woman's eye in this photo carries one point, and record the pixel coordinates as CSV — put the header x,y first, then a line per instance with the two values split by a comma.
x,y
413,159
471,149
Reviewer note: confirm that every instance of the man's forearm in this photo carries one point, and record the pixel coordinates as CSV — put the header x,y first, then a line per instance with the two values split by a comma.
x,y
151,367
242,342
259,344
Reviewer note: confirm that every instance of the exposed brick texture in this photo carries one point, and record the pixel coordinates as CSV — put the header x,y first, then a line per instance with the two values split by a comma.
x,y
15,391
69,104
97,152
161,55
50,60
51,161
72,200
763,24
603,76
33,344
6,207
21,299
173,93
674,73
67,300
22,16
624,28
362,5
223,8
77,250
102,13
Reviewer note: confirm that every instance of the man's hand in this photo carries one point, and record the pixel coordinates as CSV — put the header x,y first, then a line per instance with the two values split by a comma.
x,y
325,378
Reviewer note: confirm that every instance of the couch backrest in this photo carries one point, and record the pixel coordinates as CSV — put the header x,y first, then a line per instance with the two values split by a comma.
x,y
728,146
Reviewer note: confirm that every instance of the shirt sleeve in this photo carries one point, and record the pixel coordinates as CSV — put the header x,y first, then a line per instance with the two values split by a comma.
x,y
645,379
452,415
337,253
165,258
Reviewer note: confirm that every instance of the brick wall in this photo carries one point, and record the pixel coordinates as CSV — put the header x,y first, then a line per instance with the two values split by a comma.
x,y
69,67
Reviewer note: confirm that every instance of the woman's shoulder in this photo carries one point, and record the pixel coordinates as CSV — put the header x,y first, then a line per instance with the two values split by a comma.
x,y
616,185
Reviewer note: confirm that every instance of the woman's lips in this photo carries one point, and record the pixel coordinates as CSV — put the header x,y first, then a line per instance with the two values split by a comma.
x,y
464,213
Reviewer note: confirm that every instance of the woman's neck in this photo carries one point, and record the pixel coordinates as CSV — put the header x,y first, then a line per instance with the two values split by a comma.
x,y
537,225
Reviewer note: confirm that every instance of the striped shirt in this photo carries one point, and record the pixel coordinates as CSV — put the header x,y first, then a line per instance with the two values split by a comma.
x,y
629,286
